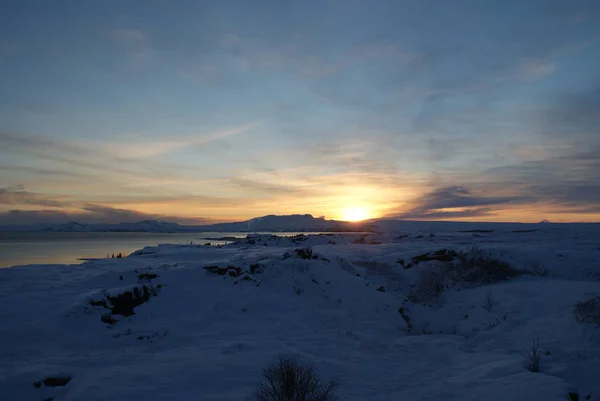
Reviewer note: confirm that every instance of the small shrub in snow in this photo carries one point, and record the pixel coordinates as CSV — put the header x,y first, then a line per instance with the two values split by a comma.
x,y
147,276
256,268
488,303
290,380
474,267
232,271
588,311
429,287
304,253
298,289
534,356
107,318
405,317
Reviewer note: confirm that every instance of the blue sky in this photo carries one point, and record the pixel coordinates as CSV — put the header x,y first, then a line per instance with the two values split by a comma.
x,y
224,110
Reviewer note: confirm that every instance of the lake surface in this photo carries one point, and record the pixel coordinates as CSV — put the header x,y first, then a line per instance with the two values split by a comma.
x,y
24,248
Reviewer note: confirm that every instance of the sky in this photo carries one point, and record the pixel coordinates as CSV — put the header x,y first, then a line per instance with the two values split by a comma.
x,y
207,111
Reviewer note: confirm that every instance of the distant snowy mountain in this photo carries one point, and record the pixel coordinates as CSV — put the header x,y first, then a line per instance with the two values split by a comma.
x,y
290,223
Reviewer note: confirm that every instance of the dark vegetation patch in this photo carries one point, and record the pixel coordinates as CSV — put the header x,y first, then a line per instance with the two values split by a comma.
x,y
474,267
232,271
299,238
363,240
381,289
147,276
256,268
287,379
526,231
588,311
405,317
101,302
468,268
107,318
534,356
429,288
304,253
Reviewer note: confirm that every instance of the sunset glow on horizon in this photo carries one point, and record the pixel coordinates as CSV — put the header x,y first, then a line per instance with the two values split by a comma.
x,y
225,111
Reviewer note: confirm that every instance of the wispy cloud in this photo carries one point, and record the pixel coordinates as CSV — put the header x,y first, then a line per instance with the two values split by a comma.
x,y
18,196
91,214
36,171
537,68
152,147
455,202
265,188
135,43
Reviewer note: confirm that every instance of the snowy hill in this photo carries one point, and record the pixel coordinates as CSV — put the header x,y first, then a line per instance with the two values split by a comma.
x,y
447,316
291,223
140,226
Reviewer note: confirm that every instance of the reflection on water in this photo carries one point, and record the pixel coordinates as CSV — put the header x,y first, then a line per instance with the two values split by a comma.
x,y
23,248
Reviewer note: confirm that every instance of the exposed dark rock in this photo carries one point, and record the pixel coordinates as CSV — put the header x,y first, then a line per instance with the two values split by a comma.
x,y
124,304
442,255
57,381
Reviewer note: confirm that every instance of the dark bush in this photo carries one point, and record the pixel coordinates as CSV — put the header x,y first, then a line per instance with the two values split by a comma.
x,y
534,356
429,288
588,311
304,253
232,271
147,276
287,379
256,268
474,267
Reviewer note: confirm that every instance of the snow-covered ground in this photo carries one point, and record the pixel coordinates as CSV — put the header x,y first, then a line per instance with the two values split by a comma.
x,y
392,316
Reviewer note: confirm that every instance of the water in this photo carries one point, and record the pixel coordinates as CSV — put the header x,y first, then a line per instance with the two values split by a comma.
x,y
24,248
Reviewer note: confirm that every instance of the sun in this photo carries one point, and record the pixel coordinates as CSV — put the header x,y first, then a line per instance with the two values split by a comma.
x,y
355,213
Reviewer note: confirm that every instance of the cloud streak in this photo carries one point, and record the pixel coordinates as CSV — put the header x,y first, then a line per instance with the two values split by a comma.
x,y
91,214
18,196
